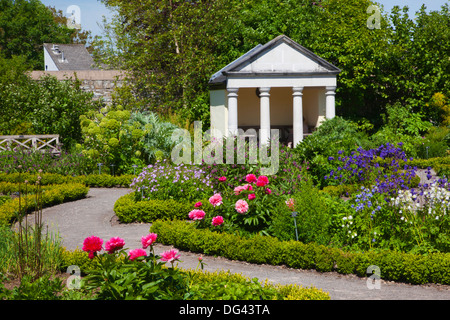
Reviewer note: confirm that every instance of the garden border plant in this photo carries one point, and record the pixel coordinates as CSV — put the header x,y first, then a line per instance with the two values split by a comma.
x,y
395,266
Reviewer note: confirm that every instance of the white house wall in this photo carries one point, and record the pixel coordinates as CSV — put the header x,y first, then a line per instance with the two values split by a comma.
x,y
48,62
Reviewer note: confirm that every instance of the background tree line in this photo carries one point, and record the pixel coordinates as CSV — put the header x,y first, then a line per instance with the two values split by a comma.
x,y
394,80
172,47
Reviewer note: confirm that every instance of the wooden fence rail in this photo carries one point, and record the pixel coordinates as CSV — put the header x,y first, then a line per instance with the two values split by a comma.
x,y
32,142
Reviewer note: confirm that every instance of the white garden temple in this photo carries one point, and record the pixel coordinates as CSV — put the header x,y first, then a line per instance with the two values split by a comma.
x,y
279,85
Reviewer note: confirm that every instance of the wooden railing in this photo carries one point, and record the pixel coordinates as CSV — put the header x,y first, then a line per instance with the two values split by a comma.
x,y
32,142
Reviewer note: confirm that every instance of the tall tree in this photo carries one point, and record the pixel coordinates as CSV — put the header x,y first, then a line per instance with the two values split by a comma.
x,y
26,24
171,48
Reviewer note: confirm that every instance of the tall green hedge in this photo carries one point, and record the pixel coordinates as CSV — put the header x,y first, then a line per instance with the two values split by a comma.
x,y
394,266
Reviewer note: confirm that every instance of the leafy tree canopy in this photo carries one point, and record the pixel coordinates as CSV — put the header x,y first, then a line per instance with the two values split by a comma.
x,y
26,24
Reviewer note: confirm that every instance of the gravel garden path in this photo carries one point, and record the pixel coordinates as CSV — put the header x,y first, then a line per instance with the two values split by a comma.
x,y
94,215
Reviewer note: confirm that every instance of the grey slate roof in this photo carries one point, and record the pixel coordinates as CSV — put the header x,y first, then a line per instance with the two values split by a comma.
x,y
219,78
76,56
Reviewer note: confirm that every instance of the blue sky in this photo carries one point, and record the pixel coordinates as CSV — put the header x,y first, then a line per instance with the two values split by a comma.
x,y
92,11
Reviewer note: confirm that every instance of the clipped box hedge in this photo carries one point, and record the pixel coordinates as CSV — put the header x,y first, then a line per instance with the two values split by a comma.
x,y
51,195
394,266
128,210
92,180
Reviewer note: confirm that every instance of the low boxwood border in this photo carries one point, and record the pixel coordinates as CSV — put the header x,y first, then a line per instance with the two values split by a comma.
x,y
92,180
51,195
128,210
394,266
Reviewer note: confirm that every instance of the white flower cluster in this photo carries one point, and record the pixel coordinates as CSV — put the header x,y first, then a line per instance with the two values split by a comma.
x,y
435,199
348,221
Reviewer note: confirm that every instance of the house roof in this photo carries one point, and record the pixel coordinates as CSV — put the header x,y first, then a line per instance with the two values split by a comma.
x,y
76,56
236,67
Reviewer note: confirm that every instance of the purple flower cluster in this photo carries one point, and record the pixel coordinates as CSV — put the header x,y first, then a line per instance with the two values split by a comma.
x,y
163,180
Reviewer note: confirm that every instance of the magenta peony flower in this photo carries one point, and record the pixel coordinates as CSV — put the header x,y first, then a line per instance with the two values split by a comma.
x,y
241,206
251,196
250,178
222,179
114,244
133,254
262,181
268,191
198,204
148,240
92,245
197,214
216,200
217,221
170,256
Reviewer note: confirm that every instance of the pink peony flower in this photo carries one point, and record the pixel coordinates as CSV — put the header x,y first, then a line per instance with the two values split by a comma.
x,y
290,203
241,206
268,191
251,196
262,181
239,189
250,178
92,245
170,256
217,221
198,204
222,179
114,244
148,240
216,200
133,254
197,214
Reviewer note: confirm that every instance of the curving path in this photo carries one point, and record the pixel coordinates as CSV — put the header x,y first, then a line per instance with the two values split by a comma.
x,y
94,215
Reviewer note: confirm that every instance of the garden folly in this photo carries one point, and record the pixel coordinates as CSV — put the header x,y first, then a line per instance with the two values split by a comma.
x,y
212,152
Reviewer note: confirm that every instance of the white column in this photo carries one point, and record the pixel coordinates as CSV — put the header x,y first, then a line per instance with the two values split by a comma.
x,y
264,100
297,120
232,111
330,102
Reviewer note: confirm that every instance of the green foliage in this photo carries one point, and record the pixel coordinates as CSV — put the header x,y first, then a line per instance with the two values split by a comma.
x,y
129,210
26,25
34,160
205,285
120,139
43,288
47,106
92,180
330,137
51,195
116,277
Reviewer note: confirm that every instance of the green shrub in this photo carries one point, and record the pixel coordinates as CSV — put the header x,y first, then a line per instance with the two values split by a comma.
x,y
51,195
128,209
394,266
92,180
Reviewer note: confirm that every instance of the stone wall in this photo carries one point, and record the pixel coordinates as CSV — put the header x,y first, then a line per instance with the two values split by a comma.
x,y
100,82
